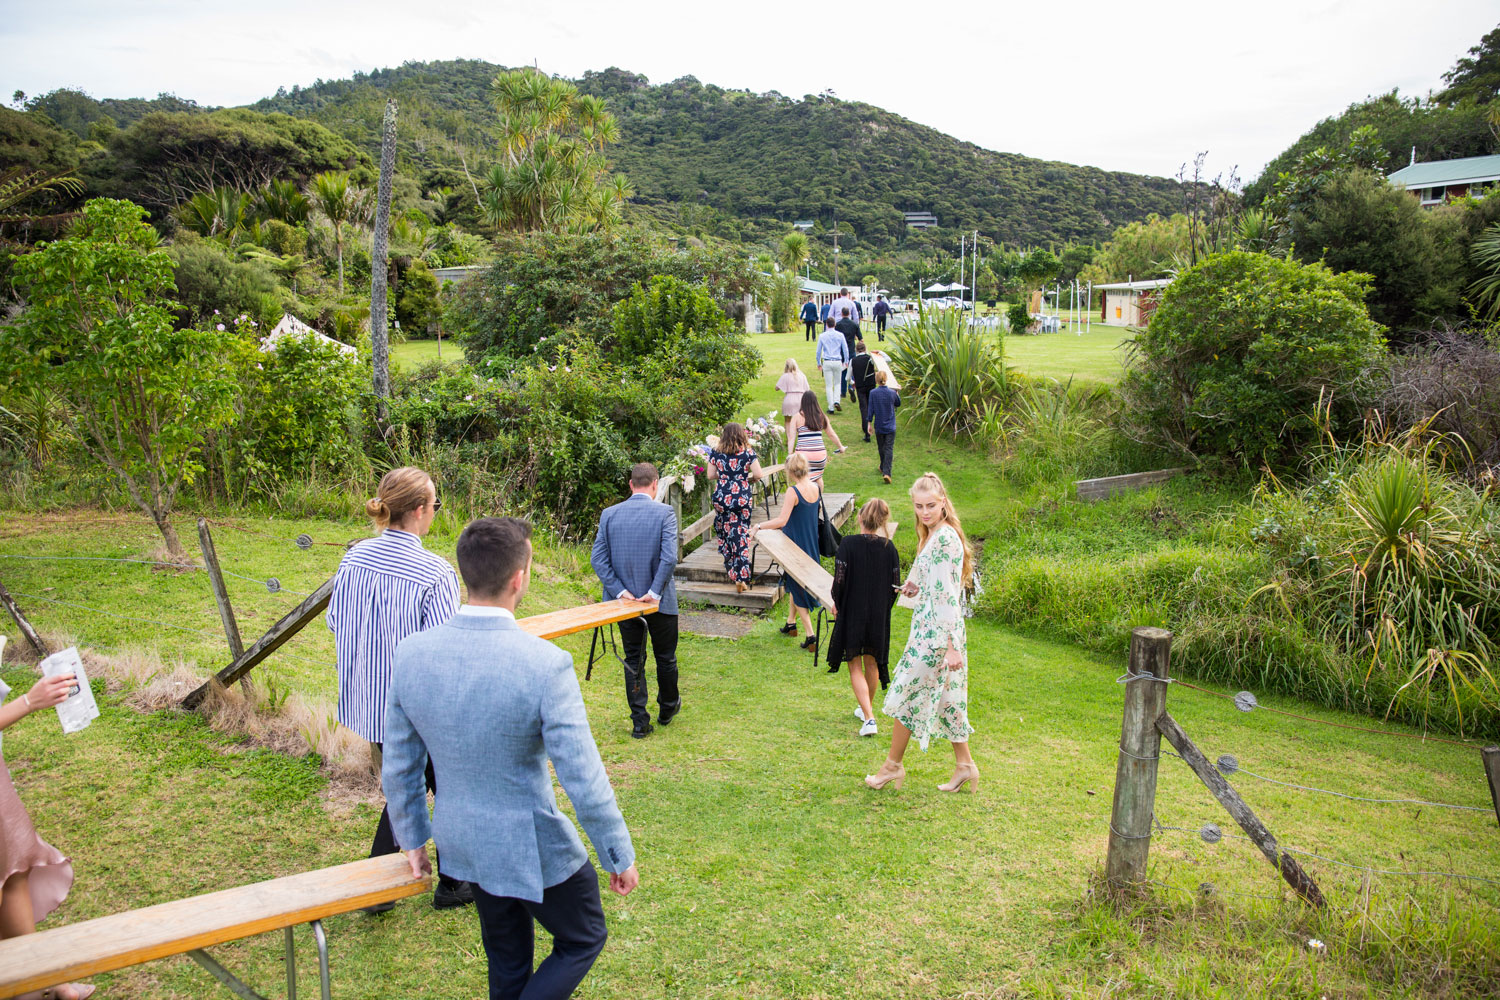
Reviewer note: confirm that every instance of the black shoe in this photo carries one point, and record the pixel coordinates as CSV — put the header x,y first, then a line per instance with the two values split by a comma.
x,y
668,714
790,628
642,730
452,894
378,908
839,407
809,642
867,439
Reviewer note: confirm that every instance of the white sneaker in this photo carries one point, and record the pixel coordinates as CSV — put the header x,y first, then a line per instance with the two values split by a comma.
x,y
868,729
859,713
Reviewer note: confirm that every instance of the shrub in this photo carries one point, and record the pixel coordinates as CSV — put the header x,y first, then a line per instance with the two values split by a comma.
x,y
784,295
1452,380
1018,317
541,284
210,281
1357,221
948,371
1242,349
417,308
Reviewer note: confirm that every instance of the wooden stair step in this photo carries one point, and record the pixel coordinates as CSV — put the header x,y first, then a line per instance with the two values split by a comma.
x,y
723,594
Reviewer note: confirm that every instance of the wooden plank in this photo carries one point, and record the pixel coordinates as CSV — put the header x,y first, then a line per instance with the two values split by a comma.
x,y
1492,772
1295,877
569,620
697,528
276,636
221,597
1100,489
1140,752
798,564
21,622
77,951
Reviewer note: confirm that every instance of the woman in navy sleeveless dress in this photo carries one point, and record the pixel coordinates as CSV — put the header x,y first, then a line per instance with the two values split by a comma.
x,y
798,520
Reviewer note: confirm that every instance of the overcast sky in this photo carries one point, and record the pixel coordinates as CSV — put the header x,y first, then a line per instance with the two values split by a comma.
x,y
1125,86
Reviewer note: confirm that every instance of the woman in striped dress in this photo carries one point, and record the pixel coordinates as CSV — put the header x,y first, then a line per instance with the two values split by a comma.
x,y
811,423
386,589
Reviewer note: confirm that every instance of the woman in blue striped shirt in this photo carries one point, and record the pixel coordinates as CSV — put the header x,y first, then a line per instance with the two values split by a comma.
x,y
386,589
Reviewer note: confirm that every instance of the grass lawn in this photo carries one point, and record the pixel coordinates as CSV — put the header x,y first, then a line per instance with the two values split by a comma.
x,y
768,870
418,352
1097,355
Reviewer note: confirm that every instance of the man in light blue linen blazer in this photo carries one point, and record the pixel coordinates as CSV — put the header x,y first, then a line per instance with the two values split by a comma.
x,y
635,554
491,705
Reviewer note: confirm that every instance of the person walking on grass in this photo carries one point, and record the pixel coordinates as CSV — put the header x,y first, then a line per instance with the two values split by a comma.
x,y
490,706
809,320
733,469
386,589
34,875
810,424
862,375
635,552
929,694
792,385
883,403
849,327
882,313
866,577
832,357
798,520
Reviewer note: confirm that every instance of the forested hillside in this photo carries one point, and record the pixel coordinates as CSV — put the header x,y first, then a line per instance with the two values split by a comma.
x,y
741,161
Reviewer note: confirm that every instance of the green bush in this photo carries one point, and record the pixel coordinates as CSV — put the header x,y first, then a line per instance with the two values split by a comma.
x,y
417,308
1243,349
211,283
1018,317
949,371
543,283
784,295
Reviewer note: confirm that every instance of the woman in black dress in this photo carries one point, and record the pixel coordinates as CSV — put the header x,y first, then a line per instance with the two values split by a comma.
x,y
866,577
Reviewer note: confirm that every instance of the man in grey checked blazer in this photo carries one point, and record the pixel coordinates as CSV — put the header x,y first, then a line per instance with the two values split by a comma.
x,y
491,704
635,552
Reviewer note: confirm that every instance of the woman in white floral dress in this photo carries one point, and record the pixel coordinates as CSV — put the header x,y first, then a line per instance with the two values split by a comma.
x,y
929,693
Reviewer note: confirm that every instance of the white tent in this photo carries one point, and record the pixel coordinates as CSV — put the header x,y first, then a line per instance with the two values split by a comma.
x,y
291,326
955,287
937,286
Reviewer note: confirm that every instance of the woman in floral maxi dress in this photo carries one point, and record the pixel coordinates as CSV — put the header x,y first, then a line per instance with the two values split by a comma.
x,y
733,468
929,692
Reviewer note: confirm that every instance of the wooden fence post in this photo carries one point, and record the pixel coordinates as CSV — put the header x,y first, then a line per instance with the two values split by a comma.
x,y
1140,747
674,497
21,622
221,598
1492,771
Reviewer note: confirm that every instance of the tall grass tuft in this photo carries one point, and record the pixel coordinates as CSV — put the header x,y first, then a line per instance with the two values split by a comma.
x,y
949,372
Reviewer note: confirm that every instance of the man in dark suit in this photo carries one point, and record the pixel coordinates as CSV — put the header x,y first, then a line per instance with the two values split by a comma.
x,y
849,327
862,373
635,552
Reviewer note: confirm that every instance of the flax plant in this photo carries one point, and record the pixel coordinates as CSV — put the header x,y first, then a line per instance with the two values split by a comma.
x,y
950,372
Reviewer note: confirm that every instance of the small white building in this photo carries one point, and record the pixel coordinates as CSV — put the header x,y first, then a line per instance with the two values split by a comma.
x,y
1440,181
1130,303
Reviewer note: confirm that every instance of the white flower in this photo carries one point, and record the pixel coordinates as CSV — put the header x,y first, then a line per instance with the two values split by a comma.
x,y
468,398
219,327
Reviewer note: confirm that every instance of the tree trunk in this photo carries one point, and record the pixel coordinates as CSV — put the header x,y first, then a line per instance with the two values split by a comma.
x,y
175,551
380,263
338,242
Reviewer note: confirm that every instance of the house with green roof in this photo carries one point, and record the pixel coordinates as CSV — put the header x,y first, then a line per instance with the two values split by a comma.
x,y
1438,182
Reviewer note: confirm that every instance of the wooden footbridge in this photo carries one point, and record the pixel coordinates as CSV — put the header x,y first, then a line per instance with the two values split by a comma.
x,y
700,575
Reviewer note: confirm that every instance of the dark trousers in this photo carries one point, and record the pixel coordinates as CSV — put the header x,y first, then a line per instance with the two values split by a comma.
x,y
663,629
810,324
880,326
864,413
570,911
385,837
886,444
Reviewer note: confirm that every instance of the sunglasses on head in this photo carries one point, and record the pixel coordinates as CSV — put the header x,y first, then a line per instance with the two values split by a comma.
x,y
437,504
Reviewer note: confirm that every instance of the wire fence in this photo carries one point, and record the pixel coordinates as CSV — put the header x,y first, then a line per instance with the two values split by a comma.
x,y
272,584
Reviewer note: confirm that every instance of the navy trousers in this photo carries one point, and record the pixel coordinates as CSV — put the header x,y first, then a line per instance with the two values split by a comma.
x,y
570,911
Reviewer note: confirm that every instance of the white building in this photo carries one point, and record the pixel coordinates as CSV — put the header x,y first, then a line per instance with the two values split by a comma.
x,y
1130,303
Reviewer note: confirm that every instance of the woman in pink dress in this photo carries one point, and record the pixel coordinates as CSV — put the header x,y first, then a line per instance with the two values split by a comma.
x,y
34,877
792,385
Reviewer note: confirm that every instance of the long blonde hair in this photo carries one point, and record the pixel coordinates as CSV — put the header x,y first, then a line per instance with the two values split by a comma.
x,y
928,482
791,366
401,491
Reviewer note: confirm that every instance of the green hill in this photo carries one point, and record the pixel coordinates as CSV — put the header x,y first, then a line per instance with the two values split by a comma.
x,y
759,161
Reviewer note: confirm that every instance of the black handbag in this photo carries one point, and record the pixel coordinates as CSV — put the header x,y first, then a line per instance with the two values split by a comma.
x,y
828,535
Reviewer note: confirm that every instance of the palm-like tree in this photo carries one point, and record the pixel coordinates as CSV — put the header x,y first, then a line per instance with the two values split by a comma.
x,y
221,213
553,173
21,186
342,204
793,252
282,200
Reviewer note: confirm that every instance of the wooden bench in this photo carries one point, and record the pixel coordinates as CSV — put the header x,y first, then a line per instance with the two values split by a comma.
x,y
187,926
1103,489
807,571
598,617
